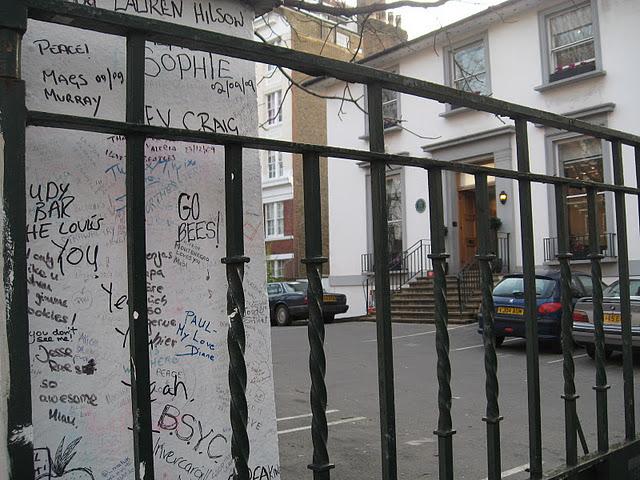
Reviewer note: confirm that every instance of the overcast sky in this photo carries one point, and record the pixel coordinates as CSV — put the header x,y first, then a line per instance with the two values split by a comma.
x,y
418,21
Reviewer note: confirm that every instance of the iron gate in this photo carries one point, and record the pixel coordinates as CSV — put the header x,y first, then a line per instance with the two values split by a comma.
x,y
610,461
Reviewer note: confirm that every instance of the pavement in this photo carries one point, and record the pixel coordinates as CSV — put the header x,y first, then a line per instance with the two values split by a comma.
x,y
353,410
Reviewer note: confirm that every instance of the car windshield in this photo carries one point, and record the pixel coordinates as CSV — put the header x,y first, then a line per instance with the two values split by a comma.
x,y
613,290
514,287
296,287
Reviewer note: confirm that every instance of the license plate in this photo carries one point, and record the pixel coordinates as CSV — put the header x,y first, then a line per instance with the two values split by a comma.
x,y
511,310
328,298
612,318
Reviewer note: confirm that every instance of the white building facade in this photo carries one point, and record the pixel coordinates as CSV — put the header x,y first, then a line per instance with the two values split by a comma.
x,y
568,57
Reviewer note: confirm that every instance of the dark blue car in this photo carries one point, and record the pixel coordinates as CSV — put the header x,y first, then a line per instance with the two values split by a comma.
x,y
508,297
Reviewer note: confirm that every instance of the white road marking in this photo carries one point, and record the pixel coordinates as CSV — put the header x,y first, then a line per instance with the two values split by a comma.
x,y
513,471
482,345
562,359
422,333
420,441
303,416
337,422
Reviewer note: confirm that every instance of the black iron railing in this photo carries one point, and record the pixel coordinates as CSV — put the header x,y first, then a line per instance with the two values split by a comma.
x,y
15,117
469,281
502,262
403,267
579,247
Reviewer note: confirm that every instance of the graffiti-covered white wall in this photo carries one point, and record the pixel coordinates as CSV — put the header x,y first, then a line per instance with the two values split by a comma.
x,y
76,254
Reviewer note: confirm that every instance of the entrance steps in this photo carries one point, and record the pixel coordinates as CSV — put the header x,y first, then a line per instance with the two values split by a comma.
x,y
415,303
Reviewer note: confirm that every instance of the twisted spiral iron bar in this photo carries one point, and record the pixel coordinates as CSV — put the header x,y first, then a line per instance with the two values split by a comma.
x,y
601,385
236,341
317,368
444,431
490,357
568,365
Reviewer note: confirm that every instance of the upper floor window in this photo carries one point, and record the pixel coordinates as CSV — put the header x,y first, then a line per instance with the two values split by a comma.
x,y
343,40
272,68
274,108
470,68
274,219
390,108
570,42
467,67
275,165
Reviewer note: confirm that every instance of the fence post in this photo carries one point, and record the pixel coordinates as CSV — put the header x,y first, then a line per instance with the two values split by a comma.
x,y
531,326
625,292
485,258
383,293
13,24
236,340
566,295
137,265
438,256
317,361
601,386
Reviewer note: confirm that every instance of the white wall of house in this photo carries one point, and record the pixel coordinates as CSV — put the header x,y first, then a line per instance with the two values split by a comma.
x,y
515,57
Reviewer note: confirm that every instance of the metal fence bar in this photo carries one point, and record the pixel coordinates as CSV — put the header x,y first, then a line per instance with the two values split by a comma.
x,y
485,259
13,23
625,292
236,340
383,292
438,256
529,278
601,385
80,16
317,362
637,155
137,268
566,297
72,122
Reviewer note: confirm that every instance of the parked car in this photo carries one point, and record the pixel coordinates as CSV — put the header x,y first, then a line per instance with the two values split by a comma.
x,y
508,298
583,319
288,301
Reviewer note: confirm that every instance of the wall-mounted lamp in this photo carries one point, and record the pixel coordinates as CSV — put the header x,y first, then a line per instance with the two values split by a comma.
x,y
503,197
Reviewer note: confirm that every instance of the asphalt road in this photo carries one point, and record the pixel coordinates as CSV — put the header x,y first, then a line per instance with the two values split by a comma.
x,y
353,411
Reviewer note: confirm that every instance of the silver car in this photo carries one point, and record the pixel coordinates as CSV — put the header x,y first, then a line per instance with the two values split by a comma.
x,y
583,319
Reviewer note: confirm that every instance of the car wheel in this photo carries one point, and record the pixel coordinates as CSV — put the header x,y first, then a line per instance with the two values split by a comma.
x,y
282,316
499,340
329,318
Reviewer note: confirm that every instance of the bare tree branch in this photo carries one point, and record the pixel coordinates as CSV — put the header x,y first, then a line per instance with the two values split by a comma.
x,y
359,10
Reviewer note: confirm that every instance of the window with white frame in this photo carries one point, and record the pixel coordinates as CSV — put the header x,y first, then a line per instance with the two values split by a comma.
x,y
390,108
343,40
469,68
275,269
394,215
274,219
570,42
274,107
275,165
581,159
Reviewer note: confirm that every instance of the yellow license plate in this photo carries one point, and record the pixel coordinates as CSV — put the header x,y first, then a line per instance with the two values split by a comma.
x,y
511,310
329,298
612,318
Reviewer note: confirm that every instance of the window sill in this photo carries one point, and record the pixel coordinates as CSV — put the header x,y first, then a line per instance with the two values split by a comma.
x,y
273,182
567,81
455,111
394,128
276,238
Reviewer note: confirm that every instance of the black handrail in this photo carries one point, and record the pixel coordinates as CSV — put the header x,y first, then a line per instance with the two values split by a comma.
x,y
404,266
469,282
